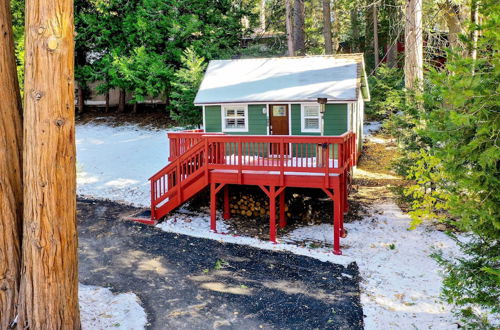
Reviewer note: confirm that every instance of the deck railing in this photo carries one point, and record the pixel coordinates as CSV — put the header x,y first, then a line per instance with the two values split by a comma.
x,y
313,154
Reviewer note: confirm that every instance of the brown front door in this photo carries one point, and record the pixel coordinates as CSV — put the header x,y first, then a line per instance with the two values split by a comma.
x,y
278,117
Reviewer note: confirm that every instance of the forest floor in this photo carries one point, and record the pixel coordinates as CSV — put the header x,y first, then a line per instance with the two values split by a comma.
x,y
400,284
185,282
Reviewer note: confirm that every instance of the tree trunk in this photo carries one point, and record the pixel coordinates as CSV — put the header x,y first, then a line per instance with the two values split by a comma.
x,y
107,103
49,283
355,30
134,108
392,53
414,73
289,27
375,34
11,197
81,98
475,32
263,15
298,27
327,27
121,101
454,21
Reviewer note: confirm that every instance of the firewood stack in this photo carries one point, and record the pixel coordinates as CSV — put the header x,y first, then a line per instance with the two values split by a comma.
x,y
250,205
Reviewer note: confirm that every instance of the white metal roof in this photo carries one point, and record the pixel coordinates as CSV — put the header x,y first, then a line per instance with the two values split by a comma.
x,y
284,79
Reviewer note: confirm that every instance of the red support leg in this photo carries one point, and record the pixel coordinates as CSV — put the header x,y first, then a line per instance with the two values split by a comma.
x,y
227,213
345,190
213,207
337,217
272,215
282,210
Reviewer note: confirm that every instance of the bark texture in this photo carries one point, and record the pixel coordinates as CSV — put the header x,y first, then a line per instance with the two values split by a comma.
x,y
289,27
49,284
298,27
413,45
375,34
121,101
455,22
327,27
355,30
11,197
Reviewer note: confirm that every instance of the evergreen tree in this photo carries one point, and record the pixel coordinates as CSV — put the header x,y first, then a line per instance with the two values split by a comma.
x,y
185,86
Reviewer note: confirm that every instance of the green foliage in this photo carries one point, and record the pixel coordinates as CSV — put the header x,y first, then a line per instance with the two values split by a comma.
x,y
451,151
138,45
386,89
473,280
184,87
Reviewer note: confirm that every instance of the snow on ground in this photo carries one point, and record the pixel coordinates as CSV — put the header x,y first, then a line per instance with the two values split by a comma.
x,y
372,127
116,162
101,309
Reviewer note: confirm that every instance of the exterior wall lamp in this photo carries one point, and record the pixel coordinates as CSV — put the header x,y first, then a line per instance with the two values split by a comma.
x,y
322,108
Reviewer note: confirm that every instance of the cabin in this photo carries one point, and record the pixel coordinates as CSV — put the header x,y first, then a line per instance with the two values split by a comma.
x,y
280,96
272,123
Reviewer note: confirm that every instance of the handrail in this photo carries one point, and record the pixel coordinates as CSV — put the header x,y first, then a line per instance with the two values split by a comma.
x,y
197,152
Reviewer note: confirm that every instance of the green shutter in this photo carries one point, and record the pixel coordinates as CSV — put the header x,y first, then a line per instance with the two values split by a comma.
x,y
213,121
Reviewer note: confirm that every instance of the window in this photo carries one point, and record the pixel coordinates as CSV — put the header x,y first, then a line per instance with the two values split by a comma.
x,y
234,118
310,118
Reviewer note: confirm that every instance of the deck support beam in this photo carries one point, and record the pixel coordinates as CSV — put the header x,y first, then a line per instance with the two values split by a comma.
x,y
338,215
214,189
227,213
282,210
272,192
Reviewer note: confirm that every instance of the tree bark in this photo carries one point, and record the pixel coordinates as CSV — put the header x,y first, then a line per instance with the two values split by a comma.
x,y
375,34
414,60
121,101
263,15
11,197
106,109
475,32
327,27
49,283
355,30
298,27
81,99
454,21
289,27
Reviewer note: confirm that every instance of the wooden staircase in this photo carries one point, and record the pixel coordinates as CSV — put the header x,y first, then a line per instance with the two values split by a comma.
x,y
184,177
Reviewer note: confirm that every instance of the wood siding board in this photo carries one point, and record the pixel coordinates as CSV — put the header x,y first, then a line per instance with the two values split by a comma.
x,y
213,120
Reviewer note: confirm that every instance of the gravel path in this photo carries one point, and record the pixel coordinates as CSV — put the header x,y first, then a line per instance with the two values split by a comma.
x,y
192,283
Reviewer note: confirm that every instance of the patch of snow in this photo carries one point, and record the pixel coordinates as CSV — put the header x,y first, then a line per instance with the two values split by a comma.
x,y
199,226
102,309
371,127
116,162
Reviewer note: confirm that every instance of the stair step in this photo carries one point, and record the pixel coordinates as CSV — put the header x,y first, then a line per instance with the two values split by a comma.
x,y
143,217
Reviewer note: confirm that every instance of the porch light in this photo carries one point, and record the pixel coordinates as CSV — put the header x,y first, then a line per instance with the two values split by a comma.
x,y
322,104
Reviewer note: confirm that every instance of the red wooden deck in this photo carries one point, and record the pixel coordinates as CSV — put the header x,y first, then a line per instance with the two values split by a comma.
x,y
199,159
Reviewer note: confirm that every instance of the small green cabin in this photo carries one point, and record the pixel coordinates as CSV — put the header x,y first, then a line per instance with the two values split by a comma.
x,y
282,96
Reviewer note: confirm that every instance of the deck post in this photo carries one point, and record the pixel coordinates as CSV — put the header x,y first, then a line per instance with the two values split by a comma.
x,y
337,216
272,214
213,207
282,210
227,213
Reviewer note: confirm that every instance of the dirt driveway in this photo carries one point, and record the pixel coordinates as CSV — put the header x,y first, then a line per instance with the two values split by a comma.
x,y
192,283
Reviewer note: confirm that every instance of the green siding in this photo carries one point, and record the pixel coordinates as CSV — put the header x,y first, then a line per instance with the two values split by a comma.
x,y
336,119
213,121
257,120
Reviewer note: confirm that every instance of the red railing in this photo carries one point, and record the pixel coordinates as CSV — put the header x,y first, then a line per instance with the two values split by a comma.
x,y
194,153
180,142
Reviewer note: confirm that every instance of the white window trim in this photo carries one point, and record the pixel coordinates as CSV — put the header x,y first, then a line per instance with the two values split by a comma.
x,y
223,117
303,121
